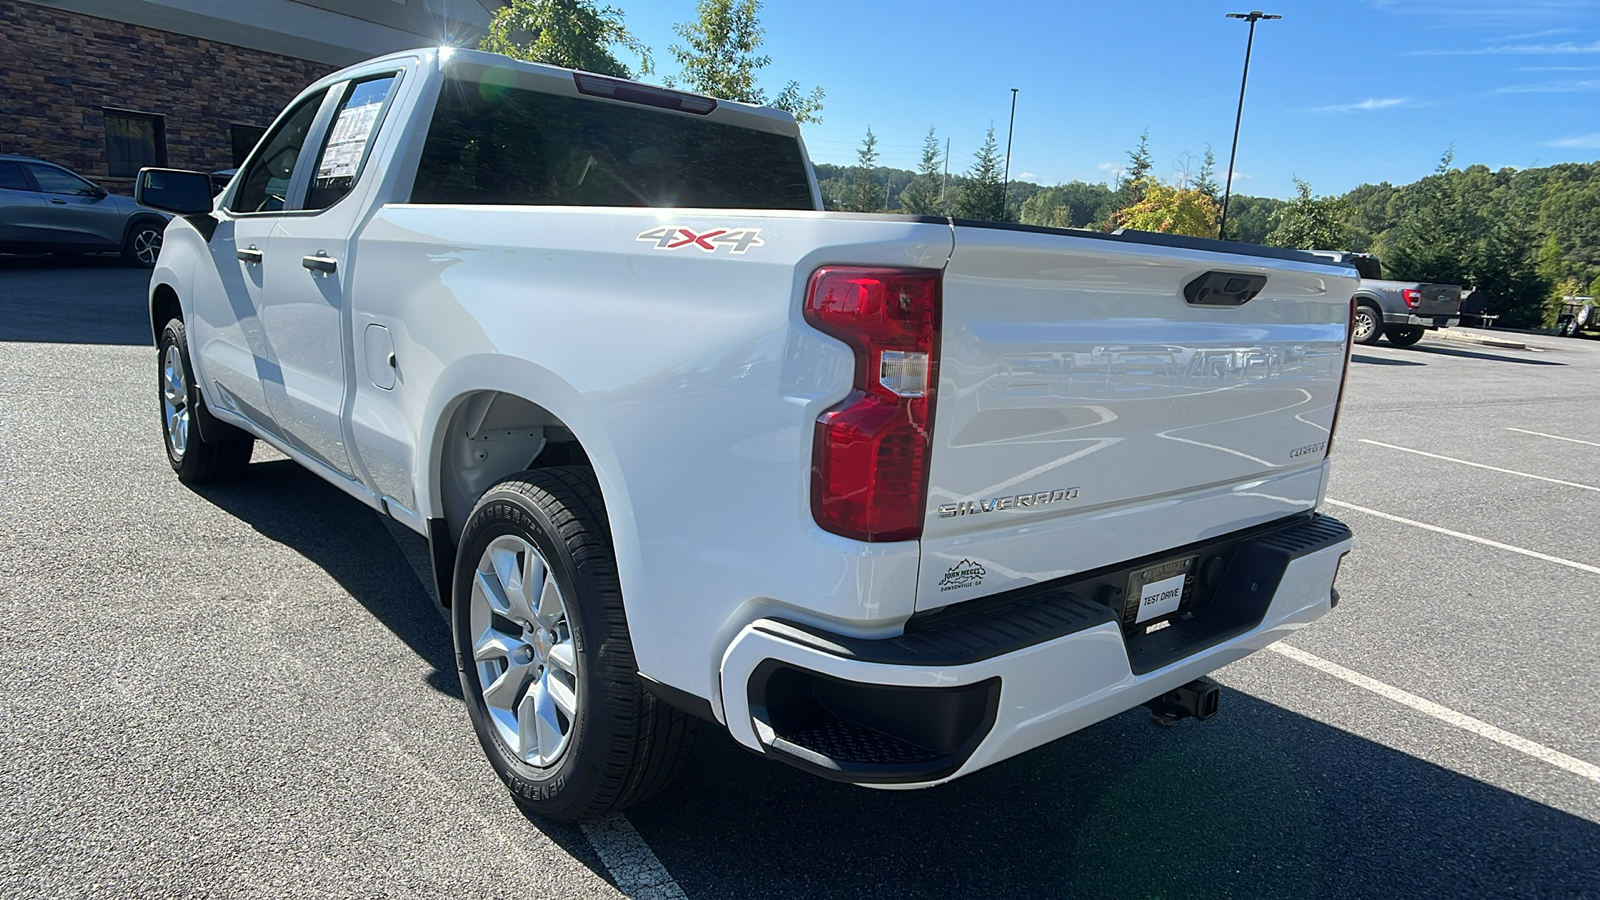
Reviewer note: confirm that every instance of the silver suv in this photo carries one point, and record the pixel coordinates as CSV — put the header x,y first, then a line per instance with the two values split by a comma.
x,y
47,209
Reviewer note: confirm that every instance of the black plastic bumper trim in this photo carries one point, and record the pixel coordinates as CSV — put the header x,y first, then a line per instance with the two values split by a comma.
x,y
989,627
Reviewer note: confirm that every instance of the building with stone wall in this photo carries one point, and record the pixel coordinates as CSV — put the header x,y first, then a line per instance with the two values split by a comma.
x,y
105,87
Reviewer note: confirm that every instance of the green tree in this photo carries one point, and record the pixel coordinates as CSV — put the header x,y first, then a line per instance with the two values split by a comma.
x,y
983,195
921,196
864,194
720,59
1432,241
1206,181
1169,209
1310,223
1130,187
574,34
1250,218
1076,204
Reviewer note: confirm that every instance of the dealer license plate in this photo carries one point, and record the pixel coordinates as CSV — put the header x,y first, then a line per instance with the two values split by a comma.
x,y
1160,589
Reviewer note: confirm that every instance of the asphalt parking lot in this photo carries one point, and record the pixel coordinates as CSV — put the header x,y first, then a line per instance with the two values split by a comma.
x,y
245,690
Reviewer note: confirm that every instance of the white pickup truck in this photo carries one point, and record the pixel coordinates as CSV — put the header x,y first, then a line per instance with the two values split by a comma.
x,y
889,498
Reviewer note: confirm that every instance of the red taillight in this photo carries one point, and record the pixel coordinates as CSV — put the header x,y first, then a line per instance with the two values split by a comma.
x,y
1344,377
869,461
1413,297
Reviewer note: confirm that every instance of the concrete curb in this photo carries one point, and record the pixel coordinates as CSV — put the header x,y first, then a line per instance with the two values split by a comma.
x,y
1465,337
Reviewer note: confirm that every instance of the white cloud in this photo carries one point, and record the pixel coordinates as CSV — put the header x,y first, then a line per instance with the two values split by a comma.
x,y
1115,170
1552,87
1028,176
1367,105
1582,141
1562,49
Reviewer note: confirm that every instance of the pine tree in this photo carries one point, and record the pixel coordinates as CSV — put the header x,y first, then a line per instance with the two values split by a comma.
x,y
1130,189
1311,223
983,197
921,196
1206,181
864,195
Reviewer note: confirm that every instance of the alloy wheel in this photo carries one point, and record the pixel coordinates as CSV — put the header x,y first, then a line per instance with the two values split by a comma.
x,y
147,246
522,647
175,401
1366,323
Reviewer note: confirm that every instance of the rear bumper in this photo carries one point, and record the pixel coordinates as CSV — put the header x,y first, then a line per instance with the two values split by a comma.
x,y
943,701
1442,321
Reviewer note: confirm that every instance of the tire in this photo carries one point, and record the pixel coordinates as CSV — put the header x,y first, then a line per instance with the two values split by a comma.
x,y
195,459
142,247
1570,329
571,657
1368,323
1404,337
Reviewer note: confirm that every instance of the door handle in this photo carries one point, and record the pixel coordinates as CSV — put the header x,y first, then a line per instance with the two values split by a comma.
x,y
322,262
251,255
57,201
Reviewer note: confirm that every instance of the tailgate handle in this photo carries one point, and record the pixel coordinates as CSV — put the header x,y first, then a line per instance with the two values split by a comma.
x,y
1224,289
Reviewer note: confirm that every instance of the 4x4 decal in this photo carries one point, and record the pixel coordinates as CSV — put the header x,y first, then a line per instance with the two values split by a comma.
x,y
676,237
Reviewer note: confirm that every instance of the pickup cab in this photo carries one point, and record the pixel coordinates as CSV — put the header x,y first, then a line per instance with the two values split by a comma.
x,y
890,499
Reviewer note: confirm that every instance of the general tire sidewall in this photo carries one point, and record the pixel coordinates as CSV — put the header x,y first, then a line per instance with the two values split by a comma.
x,y
502,512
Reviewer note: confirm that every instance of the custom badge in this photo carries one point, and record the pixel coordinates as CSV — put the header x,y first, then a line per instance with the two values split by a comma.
x,y
677,237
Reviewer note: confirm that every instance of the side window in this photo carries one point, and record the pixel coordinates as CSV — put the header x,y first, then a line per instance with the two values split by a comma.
x,y
54,181
348,138
265,183
12,177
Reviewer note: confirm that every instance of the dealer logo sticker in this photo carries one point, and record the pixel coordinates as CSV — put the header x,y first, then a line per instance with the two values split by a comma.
x,y
964,574
677,237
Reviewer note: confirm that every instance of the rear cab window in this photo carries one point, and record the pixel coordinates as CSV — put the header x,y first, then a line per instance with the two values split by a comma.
x,y
505,145
345,148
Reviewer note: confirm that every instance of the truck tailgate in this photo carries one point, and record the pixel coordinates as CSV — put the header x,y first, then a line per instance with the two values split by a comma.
x,y
1087,413
1438,300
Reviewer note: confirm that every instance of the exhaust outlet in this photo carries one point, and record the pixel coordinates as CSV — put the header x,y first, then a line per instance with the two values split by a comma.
x,y
1197,699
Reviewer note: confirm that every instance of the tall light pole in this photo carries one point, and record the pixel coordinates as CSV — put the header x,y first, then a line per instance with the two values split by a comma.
x,y
1005,185
1253,18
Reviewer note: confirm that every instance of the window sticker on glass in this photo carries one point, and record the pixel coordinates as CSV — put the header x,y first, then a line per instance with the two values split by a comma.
x,y
348,139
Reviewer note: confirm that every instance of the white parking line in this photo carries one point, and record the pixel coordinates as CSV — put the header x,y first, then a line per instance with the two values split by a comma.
x,y
1445,714
1555,436
638,873
1582,567
1586,487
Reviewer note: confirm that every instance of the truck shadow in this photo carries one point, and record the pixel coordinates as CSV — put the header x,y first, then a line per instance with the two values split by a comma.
x,y
1478,354
82,300
293,507
1383,361
1259,802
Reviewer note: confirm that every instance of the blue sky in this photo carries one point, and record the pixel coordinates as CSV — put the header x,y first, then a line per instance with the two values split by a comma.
x,y
1341,91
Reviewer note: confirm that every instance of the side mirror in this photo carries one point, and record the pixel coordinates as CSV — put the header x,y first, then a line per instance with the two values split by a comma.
x,y
176,191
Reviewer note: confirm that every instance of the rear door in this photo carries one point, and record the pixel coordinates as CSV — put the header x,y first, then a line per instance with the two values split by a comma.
x,y
1087,413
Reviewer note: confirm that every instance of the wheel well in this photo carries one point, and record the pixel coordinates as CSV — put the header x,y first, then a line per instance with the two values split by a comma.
x,y
491,435
164,307
136,221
